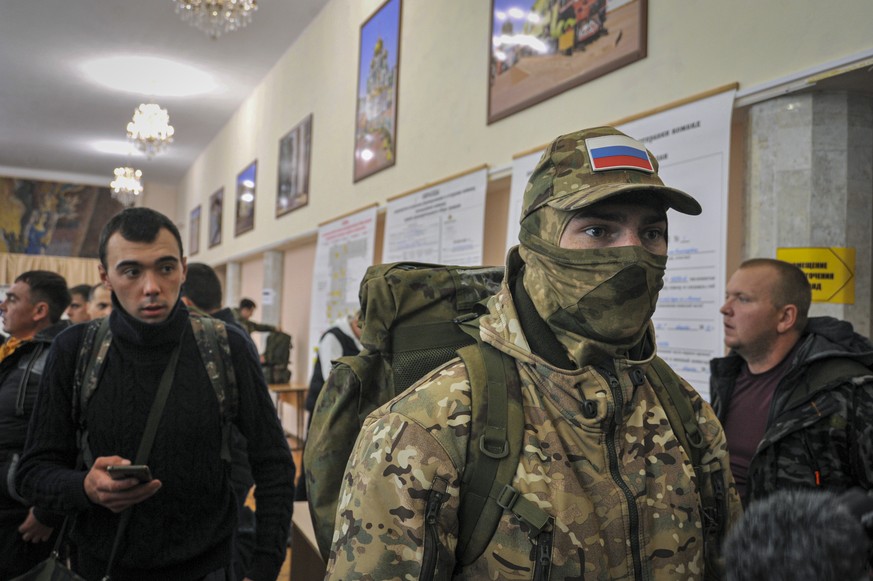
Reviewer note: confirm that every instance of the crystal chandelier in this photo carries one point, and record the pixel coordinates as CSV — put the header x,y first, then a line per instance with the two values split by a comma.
x,y
126,186
216,16
150,129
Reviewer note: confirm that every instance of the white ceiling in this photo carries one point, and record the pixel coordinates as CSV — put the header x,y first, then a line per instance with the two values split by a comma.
x,y
52,114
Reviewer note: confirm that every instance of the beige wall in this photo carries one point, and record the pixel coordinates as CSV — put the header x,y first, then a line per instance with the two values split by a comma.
x,y
692,47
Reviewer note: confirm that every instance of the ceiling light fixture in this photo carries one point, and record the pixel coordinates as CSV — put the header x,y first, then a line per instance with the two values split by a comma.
x,y
127,185
216,16
150,129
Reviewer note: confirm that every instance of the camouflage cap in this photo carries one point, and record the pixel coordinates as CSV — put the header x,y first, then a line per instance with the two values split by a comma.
x,y
581,168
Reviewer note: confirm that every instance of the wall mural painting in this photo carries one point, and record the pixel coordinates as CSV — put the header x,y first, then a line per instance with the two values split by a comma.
x,y
53,218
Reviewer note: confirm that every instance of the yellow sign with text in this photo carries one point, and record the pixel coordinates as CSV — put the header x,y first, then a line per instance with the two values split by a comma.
x,y
831,272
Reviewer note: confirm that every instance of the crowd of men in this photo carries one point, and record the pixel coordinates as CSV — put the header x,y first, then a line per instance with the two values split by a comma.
x,y
789,433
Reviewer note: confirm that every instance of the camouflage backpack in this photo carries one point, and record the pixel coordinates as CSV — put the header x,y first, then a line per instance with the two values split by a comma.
x,y
277,354
407,310
211,337
417,317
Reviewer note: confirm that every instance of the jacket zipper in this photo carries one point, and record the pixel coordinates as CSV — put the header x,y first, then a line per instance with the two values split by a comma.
x,y
543,565
435,499
633,514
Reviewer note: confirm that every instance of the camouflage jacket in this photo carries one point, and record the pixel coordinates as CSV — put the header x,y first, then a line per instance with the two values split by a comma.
x,y
819,430
619,487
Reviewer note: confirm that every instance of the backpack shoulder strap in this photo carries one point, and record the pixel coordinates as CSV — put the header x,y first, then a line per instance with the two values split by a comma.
x,y
677,406
211,337
493,451
713,493
92,354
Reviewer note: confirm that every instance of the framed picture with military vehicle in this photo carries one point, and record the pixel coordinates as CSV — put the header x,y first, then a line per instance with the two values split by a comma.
x,y
556,45
378,74
245,198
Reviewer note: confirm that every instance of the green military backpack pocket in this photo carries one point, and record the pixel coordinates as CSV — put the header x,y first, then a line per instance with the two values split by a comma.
x,y
408,311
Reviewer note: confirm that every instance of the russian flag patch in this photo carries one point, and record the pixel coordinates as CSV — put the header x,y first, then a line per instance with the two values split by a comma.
x,y
618,152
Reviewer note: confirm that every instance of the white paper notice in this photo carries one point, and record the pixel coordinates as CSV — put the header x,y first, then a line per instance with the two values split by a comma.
x,y
443,224
522,167
692,144
344,252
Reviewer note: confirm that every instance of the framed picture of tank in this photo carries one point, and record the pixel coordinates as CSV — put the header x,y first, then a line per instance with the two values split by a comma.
x,y
556,45
194,237
378,74
216,209
294,156
245,198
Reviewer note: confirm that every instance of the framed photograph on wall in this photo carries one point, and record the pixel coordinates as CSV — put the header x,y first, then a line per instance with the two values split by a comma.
x,y
216,208
378,74
194,236
245,198
294,156
553,46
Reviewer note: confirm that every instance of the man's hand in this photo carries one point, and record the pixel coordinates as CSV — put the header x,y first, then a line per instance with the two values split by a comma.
x,y
116,495
33,531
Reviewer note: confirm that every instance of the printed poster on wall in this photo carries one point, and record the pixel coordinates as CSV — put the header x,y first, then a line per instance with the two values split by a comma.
x,y
442,223
692,145
522,166
343,253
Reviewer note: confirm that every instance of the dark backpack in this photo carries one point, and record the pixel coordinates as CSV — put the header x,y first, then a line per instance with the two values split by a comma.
x,y
417,317
211,337
277,355
316,382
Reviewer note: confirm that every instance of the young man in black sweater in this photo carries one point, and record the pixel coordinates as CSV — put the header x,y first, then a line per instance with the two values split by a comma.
x,y
183,520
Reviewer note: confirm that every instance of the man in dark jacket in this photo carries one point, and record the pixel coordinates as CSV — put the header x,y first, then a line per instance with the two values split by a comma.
x,y
795,395
32,316
182,521
201,293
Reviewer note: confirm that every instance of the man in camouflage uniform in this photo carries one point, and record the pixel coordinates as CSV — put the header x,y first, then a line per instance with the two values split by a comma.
x,y
598,453
795,416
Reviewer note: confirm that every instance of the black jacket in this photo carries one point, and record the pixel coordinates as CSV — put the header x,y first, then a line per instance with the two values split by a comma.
x,y
185,530
820,425
20,374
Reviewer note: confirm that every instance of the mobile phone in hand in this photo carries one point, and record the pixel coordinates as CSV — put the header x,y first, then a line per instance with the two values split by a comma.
x,y
139,471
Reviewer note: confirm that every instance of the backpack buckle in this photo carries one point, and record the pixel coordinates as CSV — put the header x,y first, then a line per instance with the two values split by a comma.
x,y
493,443
507,497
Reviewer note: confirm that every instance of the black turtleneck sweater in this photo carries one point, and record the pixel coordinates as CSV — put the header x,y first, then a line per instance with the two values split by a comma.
x,y
185,530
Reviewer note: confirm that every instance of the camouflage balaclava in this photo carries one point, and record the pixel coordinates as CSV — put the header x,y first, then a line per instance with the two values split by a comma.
x,y
594,300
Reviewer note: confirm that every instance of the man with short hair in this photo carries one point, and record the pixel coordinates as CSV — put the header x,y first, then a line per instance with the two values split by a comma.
x,y
77,312
31,315
183,520
201,293
598,455
795,394
99,301
243,315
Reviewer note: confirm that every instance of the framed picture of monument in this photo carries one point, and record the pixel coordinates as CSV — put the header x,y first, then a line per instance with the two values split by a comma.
x,y
245,198
378,73
294,157
550,47
194,235
216,208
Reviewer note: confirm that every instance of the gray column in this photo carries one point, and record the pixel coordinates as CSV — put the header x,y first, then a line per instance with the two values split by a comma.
x,y
271,297
232,284
809,183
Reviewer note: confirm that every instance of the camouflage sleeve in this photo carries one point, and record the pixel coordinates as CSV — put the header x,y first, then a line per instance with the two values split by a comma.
x,y
862,426
391,482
